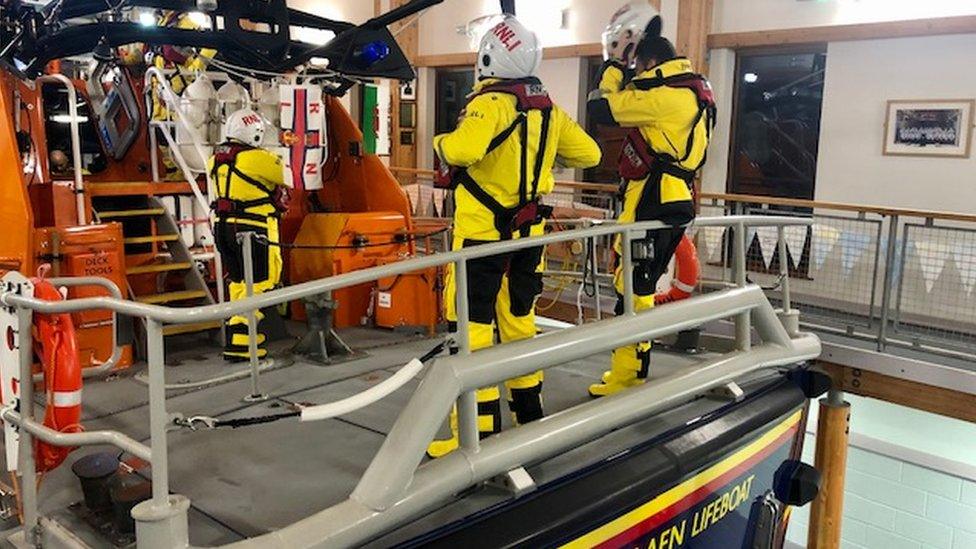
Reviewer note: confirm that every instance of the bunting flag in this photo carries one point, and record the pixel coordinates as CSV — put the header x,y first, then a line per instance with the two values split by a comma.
x,y
825,238
932,258
713,241
768,240
853,246
796,239
966,264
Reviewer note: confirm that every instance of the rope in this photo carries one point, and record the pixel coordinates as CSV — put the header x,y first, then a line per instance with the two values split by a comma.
x,y
212,423
248,421
406,238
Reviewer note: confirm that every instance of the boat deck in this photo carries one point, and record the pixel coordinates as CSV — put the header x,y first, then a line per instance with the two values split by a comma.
x,y
247,481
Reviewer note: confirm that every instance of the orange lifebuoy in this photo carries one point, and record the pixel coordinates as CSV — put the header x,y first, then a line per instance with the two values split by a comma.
x,y
686,273
57,348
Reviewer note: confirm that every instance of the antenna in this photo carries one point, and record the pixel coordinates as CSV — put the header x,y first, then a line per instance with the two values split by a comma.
x,y
508,6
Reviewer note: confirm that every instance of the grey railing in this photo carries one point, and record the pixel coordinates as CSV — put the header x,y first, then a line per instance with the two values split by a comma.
x,y
394,489
900,278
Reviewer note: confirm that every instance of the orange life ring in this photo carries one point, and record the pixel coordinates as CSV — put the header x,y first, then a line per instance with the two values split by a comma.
x,y
57,348
686,273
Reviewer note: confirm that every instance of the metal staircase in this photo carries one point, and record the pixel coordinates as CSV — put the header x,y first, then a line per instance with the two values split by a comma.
x,y
160,268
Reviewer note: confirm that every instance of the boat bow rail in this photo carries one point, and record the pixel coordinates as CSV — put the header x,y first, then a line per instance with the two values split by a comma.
x,y
396,488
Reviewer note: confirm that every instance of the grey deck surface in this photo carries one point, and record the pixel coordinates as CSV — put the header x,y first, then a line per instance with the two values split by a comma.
x,y
252,480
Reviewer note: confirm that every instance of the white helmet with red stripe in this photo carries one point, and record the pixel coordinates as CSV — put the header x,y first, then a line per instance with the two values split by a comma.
x,y
627,28
245,126
509,50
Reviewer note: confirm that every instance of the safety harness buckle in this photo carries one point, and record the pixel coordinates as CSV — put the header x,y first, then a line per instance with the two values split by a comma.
x,y
224,206
524,217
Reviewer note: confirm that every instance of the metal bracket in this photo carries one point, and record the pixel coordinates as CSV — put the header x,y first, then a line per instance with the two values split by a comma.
x,y
8,502
194,423
322,344
518,482
730,392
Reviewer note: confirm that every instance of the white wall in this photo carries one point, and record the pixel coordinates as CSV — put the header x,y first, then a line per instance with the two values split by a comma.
x,y
721,73
860,78
354,11
750,15
587,19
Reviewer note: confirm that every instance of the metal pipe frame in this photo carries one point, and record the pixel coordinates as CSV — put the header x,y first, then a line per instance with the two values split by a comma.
x,y
204,202
394,490
889,276
784,269
390,478
222,311
247,239
75,141
76,281
743,328
26,465
87,438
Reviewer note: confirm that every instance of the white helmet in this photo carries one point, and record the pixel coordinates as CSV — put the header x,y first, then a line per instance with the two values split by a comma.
x,y
245,126
509,50
627,28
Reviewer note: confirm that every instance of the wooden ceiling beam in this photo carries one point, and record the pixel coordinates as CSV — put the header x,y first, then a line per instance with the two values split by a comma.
x,y
904,392
468,59
845,33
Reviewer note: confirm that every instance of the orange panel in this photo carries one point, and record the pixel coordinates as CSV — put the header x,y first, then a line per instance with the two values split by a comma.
x,y
345,230
408,301
15,208
93,250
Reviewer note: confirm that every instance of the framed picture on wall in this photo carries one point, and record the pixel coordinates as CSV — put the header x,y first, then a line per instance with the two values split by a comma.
x,y
941,127
408,115
408,91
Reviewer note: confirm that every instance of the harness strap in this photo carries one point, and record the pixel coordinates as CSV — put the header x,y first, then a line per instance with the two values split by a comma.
x,y
698,85
506,133
523,161
239,207
224,216
530,95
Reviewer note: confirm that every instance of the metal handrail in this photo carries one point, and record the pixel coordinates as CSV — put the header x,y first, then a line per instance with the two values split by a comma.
x,y
112,288
173,315
395,490
391,482
154,73
85,438
74,125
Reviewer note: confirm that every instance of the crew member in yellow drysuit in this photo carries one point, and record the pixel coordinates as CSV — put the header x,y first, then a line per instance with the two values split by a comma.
x,y
671,112
248,182
504,149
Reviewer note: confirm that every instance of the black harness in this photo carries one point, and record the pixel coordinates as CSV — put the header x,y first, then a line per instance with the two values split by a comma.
x,y
530,95
225,207
638,160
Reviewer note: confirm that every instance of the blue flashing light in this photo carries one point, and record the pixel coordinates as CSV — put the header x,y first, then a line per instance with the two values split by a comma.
x,y
373,53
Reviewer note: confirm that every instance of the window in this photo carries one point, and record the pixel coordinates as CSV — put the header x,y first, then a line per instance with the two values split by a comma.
x,y
776,123
452,89
57,127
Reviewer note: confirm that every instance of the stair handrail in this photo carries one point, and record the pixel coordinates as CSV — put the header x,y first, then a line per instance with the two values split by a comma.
x,y
173,105
73,123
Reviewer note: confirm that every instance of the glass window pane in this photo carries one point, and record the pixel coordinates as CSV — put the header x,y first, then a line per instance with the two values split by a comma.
x,y
776,123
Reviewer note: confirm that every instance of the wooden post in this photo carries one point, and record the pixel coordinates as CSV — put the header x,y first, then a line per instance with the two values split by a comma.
x,y
694,25
407,34
833,430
